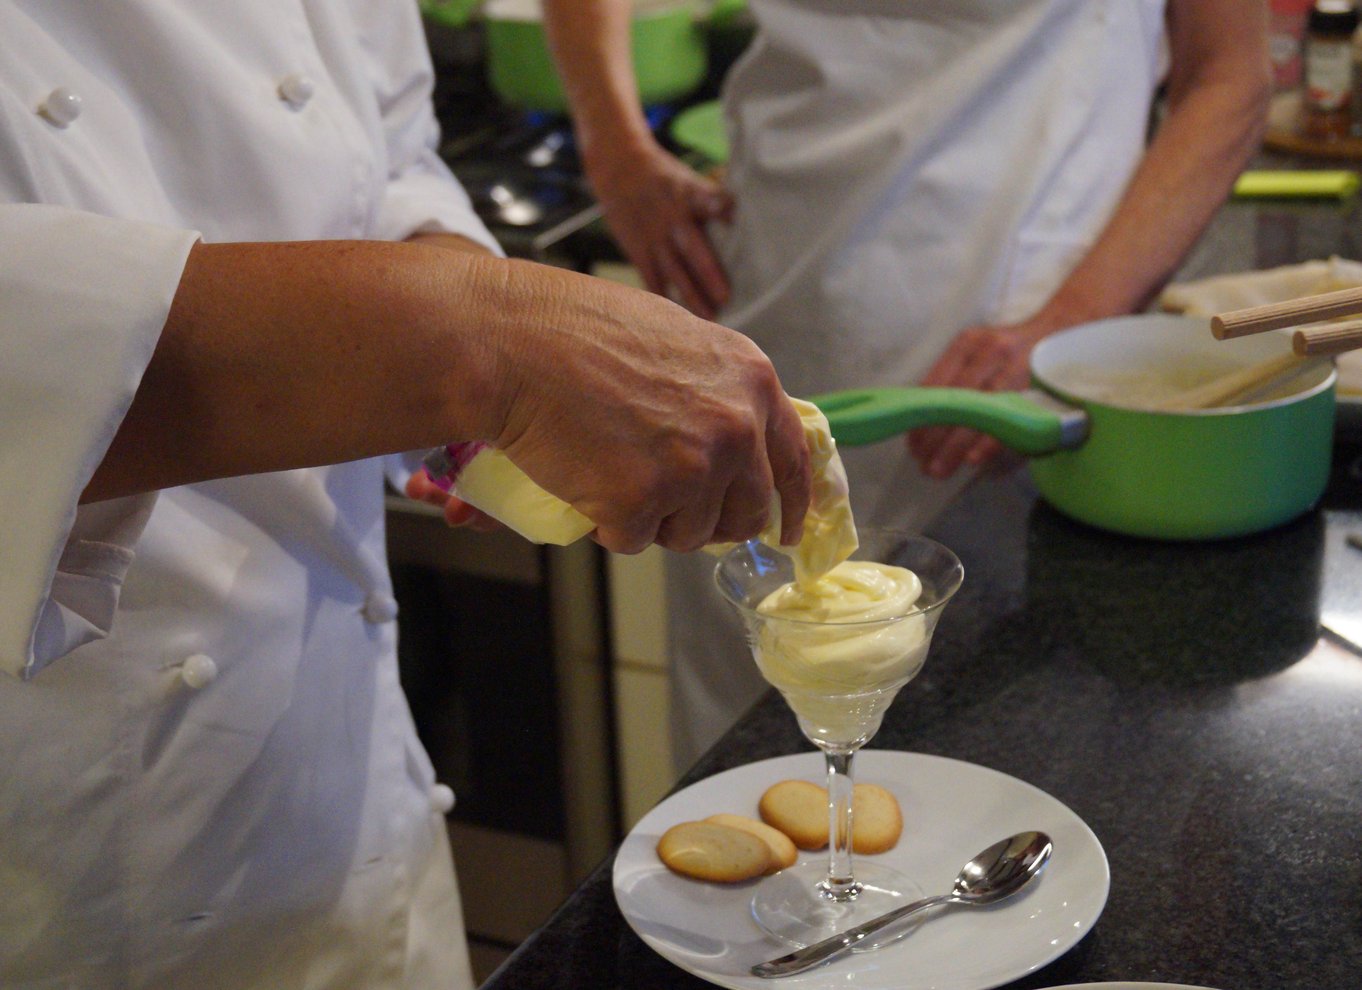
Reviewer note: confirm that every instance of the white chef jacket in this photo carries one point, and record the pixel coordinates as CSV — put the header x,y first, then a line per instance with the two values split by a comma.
x,y
210,775
904,169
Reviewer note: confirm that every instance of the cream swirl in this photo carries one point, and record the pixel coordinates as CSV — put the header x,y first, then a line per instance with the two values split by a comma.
x,y
843,637
854,630
829,530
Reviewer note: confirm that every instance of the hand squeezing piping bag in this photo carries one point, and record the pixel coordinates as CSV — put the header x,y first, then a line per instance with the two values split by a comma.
x,y
485,478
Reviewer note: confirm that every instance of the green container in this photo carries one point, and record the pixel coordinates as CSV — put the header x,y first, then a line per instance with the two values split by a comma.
x,y
1203,474
670,52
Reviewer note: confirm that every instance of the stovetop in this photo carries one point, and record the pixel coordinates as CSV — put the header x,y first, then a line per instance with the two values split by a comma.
x,y
524,177
521,169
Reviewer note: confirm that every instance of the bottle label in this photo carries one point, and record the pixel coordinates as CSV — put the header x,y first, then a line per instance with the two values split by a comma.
x,y
1328,74
1286,38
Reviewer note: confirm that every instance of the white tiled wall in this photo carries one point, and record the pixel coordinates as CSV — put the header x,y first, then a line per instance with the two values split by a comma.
x,y
639,633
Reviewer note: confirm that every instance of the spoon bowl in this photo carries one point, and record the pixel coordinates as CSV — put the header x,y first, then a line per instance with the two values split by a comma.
x,y
1003,868
997,872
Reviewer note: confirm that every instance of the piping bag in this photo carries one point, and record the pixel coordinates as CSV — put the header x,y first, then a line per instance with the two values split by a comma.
x,y
485,478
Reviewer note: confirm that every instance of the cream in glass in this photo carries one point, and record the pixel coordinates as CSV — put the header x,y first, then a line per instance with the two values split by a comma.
x,y
838,638
839,663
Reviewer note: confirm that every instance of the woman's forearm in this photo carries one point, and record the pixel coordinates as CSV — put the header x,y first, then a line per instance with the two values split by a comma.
x,y
655,424
1218,90
282,355
592,49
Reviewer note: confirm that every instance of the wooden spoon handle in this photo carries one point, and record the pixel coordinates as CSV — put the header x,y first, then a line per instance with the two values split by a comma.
x,y
1333,338
1289,313
1219,391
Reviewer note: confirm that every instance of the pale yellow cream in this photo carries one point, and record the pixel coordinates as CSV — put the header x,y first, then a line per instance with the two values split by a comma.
x,y
842,640
839,651
829,529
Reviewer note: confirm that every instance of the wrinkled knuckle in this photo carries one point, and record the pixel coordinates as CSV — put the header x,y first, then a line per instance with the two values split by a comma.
x,y
673,534
743,528
795,476
752,362
686,544
737,431
634,491
622,540
687,467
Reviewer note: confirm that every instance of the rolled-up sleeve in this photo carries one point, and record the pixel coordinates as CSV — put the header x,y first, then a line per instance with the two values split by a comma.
x,y
83,299
422,195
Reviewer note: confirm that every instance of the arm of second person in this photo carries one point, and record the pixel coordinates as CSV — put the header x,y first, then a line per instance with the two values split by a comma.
x,y
655,205
1218,86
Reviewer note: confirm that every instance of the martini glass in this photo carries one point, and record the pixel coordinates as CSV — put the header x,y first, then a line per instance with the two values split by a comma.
x,y
839,677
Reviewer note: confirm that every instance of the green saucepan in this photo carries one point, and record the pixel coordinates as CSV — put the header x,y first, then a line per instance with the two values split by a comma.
x,y
670,50
1100,450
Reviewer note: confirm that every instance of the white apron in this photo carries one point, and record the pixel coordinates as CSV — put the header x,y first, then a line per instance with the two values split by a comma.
x,y
904,169
210,775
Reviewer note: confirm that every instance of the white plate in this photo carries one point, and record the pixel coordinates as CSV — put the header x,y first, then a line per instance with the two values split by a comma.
x,y
951,810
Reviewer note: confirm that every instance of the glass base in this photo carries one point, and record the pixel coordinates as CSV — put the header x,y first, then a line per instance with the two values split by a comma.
x,y
793,907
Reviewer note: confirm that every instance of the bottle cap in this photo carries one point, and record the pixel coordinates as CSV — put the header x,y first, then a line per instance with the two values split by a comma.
x,y
1338,17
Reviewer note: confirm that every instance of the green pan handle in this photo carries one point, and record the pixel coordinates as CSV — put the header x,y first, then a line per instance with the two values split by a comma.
x,y
1031,422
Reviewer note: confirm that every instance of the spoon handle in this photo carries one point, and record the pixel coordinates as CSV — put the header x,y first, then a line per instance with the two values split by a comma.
x,y
829,948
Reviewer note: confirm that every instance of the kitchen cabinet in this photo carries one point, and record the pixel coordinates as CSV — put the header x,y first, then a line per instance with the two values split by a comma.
x,y
1180,698
505,660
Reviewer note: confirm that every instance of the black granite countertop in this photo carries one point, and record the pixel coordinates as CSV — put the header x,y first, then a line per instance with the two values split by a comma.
x,y
1183,699
1192,703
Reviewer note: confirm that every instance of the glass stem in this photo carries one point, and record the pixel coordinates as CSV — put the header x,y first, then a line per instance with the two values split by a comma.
x,y
840,884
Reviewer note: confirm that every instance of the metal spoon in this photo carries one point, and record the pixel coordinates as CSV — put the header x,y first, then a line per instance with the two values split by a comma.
x,y
999,871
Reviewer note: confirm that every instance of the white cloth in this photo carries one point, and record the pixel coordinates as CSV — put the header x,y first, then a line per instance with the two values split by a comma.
x,y
903,171
211,775
1240,290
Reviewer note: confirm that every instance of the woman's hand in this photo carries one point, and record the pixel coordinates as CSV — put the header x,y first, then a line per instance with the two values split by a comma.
x,y
989,358
657,208
656,425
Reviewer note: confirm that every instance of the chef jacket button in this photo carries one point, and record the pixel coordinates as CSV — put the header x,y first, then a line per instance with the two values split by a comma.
x,y
379,607
441,799
296,89
61,107
198,671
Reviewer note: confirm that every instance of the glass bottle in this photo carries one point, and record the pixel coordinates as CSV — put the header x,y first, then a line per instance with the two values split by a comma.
x,y
1329,69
